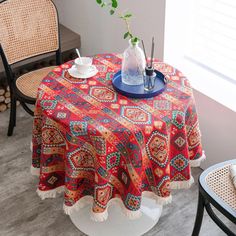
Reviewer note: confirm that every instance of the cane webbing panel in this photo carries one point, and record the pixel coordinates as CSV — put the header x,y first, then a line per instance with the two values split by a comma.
x,y
220,182
28,28
28,83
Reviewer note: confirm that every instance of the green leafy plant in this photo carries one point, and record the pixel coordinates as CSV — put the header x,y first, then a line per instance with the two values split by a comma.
x,y
112,6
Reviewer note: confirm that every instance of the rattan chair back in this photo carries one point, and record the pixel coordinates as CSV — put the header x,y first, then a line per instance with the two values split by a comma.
x,y
28,28
221,184
216,189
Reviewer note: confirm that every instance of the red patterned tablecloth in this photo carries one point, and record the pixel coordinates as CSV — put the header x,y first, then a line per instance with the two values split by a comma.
x,y
98,146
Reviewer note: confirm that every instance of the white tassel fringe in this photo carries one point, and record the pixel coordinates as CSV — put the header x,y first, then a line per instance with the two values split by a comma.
x,y
50,193
82,202
182,184
159,200
100,217
197,163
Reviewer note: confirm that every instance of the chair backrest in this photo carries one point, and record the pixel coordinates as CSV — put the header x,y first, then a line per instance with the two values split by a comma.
x,y
220,182
28,28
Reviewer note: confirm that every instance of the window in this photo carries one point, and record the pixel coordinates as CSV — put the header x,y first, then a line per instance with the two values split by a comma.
x,y
212,37
200,41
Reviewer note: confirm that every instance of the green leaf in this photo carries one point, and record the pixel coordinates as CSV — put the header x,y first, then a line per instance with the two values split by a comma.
x,y
114,3
99,1
103,4
134,40
126,35
128,15
112,11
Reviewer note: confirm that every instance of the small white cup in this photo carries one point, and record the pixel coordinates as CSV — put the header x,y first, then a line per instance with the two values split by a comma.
x,y
83,64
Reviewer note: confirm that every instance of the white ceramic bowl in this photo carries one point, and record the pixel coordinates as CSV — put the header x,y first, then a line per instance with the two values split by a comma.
x,y
83,64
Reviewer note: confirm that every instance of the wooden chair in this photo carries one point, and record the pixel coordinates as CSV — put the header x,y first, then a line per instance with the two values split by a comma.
x,y
216,188
28,28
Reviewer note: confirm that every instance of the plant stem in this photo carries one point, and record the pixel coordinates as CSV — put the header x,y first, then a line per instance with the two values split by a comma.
x,y
113,6
127,24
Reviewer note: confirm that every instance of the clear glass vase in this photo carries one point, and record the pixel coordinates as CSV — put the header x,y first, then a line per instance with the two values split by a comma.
x,y
133,65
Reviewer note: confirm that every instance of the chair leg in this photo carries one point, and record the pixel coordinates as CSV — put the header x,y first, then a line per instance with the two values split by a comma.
x,y
27,109
218,221
12,121
199,216
14,109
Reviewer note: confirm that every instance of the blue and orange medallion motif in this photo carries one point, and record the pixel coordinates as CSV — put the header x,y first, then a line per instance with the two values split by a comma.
x,y
96,142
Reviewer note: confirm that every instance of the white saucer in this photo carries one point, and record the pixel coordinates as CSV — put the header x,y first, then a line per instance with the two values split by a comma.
x,y
76,74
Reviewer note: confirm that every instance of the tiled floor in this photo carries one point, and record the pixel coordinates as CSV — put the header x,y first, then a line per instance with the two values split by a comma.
x,y
22,213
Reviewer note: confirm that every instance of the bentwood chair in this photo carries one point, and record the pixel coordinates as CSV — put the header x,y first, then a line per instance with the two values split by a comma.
x,y
28,28
216,188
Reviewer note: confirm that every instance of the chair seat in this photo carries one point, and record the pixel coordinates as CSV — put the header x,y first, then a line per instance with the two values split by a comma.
x,y
219,181
28,83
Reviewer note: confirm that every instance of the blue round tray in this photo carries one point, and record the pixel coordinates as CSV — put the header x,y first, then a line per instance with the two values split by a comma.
x,y
137,91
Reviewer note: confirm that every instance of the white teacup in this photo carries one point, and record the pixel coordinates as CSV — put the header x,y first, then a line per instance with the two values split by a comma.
x,y
83,64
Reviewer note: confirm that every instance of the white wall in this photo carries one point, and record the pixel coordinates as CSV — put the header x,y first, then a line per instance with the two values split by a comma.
x,y
218,128
102,33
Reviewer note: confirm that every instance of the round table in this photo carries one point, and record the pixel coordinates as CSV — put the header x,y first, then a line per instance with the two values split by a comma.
x,y
100,148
